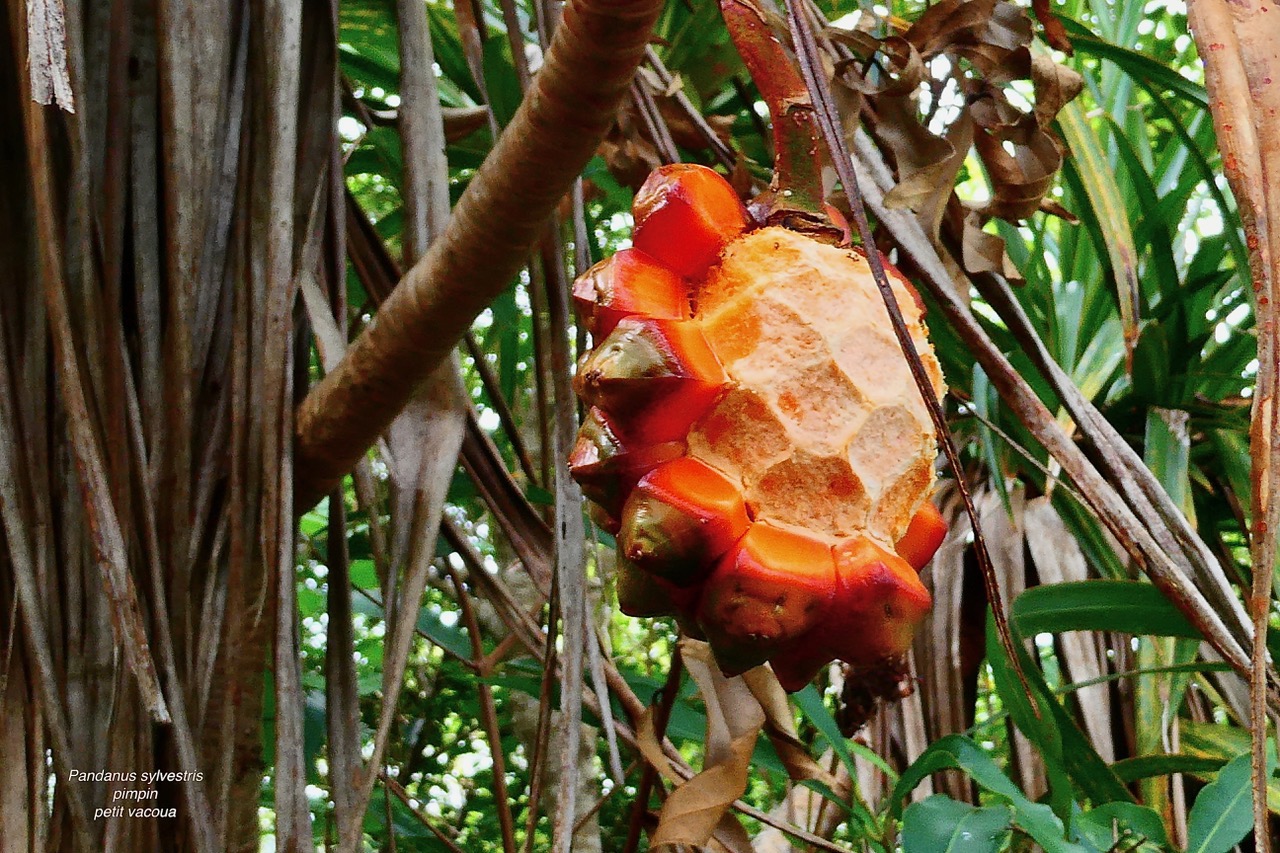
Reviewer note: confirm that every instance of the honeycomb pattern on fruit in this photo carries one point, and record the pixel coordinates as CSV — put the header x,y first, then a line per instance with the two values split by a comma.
x,y
755,438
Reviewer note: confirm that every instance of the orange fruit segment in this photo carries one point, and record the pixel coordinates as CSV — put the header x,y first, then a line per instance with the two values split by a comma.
x,y
684,215
770,589
626,284
923,537
879,602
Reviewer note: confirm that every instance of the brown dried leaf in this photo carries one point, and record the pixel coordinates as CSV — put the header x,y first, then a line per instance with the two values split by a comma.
x,y
629,156
1000,51
1020,156
1008,27
905,69
984,252
950,23
925,185
461,122
695,810
859,41
1056,85
946,648
1054,32
1053,208
1005,530
780,727
423,443
683,129
992,35
651,749
1018,180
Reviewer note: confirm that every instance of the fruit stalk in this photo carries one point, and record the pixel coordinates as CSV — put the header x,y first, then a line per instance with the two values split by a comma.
x,y
795,197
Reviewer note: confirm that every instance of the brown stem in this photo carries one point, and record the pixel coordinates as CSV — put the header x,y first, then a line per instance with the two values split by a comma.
x,y
1237,43
570,105
489,713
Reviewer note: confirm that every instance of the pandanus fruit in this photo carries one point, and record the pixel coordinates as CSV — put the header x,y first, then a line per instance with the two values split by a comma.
x,y
754,438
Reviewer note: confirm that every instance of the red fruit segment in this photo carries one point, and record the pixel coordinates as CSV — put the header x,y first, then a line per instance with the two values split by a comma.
x,y
607,466
925,533
879,603
631,282
800,663
680,518
684,215
770,589
656,376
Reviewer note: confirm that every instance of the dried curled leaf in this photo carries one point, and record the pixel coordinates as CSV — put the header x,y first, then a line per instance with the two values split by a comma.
x,y
779,726
738,709
628,153
985,252
987,45
1019,180
696,810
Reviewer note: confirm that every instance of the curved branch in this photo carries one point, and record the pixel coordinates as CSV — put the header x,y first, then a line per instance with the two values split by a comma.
x,y
565,114
1237,42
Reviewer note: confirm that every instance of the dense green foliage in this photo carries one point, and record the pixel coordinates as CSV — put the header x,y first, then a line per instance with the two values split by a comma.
x,y
1141,176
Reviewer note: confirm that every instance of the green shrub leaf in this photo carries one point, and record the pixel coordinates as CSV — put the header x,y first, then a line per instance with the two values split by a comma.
x,y
939,824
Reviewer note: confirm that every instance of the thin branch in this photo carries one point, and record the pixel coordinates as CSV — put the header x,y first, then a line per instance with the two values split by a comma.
x,y
394,787
500,405
722,151
554,133
829,121
489,715
653,122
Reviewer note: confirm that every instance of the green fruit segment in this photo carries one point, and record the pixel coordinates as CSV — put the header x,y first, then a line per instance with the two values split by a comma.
x,y
607,465
640,594
682,516
656,376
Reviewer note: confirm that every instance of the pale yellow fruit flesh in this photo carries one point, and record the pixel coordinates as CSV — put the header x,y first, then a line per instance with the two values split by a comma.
x,y
823,427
